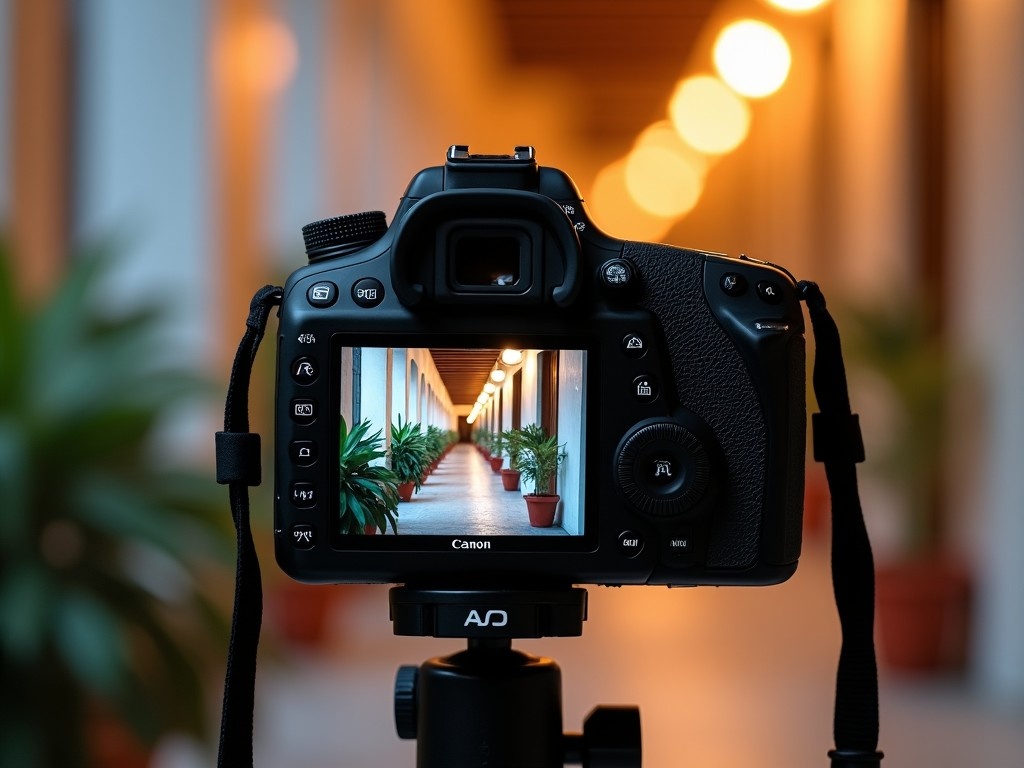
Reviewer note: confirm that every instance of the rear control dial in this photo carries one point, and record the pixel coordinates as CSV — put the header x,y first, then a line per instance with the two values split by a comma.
x,y
663,469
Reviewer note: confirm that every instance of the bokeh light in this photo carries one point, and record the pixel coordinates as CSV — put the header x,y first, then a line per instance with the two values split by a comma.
x,y
799,6
661,181
752,57
615,211
260,54
708,115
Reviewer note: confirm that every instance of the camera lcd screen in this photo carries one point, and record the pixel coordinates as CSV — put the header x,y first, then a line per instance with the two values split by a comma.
x,y
480,413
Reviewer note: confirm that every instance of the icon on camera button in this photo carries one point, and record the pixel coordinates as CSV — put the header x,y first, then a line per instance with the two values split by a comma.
x,y
617,273
303,536
679,547
634,345
304,370
631,544
303,453
303,411
304,495
733,284
368,292
645,389
322,294
770,292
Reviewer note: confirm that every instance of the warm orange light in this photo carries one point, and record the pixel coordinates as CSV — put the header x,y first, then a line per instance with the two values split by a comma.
x,y
497,375
708,115
752,58
615,211
799,6
258,53
511,356
661,181
663,134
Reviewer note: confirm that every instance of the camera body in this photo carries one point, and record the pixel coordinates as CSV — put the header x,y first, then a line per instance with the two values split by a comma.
x,y
671,379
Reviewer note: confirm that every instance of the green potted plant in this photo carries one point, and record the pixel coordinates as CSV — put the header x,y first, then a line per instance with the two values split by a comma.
x,y
408,457
922,589
539,461
513,439
483,442
106,545
497,447
367,491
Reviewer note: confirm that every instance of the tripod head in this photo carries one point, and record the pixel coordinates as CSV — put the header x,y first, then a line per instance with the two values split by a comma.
x,y
490,705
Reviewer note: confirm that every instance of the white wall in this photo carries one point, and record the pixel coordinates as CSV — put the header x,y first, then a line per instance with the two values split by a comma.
x,y
986,235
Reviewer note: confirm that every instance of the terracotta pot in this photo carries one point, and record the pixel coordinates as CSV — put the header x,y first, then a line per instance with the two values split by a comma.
x,y
496,462
541,508
300,612
405,491
510,479
922,615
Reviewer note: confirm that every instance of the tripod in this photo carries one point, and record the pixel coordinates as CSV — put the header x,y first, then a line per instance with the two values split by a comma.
x,y
490,706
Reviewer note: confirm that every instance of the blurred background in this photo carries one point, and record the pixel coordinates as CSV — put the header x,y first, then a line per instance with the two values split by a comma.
x,y
157,161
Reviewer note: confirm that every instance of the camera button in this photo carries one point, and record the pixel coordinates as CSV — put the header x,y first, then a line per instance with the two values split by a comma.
x,y
679,547
368,292
634,345
631,544
303,411
304,370
733,284
769,291
617,273
303,536
303,453
322,294
645,388
303,495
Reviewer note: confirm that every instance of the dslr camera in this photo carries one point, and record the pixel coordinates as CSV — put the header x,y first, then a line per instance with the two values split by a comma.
x,y
669,381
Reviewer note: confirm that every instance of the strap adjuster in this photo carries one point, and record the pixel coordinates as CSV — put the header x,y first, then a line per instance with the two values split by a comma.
x,y
238,458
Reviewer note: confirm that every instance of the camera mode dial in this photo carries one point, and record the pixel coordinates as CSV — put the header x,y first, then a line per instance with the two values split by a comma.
x,y
330,238
663,469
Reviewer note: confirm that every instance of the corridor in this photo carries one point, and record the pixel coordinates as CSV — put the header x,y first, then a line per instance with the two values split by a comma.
x,y
464,496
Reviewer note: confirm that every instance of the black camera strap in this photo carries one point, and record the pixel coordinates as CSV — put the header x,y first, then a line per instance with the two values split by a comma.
x,y
837,444
238,467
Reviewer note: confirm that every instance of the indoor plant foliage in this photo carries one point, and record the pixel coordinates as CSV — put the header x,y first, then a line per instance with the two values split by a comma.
x,y
367,490
100,610
538,462
513,439
922,588
408,455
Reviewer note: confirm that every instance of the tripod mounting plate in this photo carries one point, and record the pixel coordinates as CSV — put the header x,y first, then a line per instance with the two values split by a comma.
x,y
484,613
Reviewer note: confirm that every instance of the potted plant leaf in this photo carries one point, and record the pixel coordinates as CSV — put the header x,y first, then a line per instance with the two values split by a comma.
x,y
407,457
497,447
922,589
367,489
539,461
106,545
513,439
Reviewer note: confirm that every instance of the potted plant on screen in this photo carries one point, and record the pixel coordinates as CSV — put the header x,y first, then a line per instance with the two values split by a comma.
x,y
497,448
367,491
539,461
513,439
407,457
